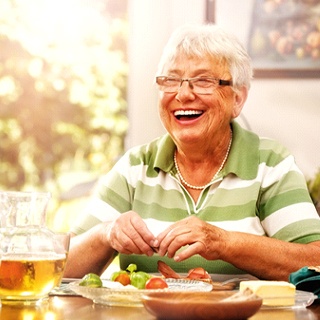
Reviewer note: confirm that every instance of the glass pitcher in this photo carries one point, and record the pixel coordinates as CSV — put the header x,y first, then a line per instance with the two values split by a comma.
x,y
33,257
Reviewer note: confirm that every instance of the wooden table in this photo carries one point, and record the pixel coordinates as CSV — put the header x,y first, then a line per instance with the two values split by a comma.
x,y
78,308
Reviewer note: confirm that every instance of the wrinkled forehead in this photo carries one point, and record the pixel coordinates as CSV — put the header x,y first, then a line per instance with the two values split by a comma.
x,y
185,62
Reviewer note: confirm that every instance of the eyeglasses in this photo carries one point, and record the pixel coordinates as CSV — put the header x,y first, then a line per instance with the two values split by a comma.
x,y
197,85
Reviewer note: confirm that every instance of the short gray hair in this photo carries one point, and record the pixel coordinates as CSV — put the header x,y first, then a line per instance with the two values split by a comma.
x,y
200,40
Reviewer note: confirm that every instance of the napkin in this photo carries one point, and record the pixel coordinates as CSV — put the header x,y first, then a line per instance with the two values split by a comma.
x,y
307,279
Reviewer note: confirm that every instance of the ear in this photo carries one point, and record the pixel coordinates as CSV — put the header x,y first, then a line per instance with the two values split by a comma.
x,y
240,98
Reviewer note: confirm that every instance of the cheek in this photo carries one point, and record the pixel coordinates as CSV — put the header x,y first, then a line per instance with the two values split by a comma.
x,y
163,108
225,102
164,101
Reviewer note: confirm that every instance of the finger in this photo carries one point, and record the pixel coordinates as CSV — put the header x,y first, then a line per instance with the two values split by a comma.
x,y
129,247
175,239
184,223
141,228
119,236
190,251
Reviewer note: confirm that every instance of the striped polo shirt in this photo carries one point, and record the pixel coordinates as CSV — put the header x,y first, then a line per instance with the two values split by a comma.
x,y
260,191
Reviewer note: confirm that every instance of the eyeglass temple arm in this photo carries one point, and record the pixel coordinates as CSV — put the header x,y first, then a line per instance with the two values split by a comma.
x,y
225,82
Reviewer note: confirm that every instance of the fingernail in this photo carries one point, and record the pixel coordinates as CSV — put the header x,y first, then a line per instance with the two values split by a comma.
x,y
150,253
155,243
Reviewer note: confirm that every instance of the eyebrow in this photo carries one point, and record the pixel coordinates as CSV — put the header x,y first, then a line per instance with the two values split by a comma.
x,y
196,72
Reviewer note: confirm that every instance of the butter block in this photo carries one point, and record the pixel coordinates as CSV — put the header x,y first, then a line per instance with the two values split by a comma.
x,y
273,293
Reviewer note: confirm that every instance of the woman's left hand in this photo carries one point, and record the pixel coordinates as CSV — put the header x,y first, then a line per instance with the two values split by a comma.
x,y
200,238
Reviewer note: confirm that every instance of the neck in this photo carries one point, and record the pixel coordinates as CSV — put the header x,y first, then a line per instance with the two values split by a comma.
x,y
201,187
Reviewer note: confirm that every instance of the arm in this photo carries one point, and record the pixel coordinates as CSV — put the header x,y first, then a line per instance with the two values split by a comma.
x,y
264,257
89,252
269,258
94,250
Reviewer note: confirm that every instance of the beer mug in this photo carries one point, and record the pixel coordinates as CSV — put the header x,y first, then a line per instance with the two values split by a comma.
x,y
33,257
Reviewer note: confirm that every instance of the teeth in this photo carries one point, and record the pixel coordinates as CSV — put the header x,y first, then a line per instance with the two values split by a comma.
x,y
187,112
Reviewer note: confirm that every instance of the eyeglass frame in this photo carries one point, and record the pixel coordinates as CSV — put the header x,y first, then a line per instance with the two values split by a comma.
x,y
220,82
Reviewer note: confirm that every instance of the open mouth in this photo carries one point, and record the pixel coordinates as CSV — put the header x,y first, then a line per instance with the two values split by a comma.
x,y
187,114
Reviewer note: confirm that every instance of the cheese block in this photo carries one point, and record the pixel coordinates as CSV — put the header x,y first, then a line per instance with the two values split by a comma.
x,y
273,293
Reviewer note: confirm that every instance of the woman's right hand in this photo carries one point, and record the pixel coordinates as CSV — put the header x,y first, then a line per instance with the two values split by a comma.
x,y
129,234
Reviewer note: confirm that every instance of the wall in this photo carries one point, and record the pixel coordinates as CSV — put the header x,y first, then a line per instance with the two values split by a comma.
x,y
285,109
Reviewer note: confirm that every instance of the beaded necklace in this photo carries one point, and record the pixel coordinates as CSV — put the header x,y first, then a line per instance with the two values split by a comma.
x,y
215,175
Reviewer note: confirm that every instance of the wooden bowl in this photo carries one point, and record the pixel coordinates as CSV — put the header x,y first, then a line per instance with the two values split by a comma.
x,y
199,305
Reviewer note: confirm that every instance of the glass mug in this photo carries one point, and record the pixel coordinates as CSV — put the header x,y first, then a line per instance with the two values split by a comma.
x,y
33,257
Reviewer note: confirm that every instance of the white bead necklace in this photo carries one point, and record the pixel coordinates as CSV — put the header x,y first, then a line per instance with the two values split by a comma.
x,y
206,185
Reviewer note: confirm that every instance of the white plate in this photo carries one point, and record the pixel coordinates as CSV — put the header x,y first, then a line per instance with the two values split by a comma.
x,y
113,295
303,299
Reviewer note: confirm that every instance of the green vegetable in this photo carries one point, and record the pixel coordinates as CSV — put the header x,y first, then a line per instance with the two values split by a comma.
x,y
132,267
91,280
139,279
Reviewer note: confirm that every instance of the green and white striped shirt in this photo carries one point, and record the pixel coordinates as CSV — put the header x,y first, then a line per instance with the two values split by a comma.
x,y
260,191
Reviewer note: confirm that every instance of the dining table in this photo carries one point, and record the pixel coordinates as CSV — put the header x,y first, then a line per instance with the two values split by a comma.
x,y
80,308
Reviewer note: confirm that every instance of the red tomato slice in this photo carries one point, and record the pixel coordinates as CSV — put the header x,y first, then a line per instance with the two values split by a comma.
x,y
156,283
198,273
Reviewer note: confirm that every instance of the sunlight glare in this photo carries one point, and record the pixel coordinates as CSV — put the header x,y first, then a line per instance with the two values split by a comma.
x,y
60,24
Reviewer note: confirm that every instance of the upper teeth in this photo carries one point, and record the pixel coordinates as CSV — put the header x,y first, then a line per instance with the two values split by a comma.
x,y
186,112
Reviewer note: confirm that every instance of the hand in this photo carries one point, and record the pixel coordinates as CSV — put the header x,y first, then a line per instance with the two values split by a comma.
x,y
200,237
129,234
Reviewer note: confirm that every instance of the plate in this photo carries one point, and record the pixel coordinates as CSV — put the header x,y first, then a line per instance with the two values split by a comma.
x,y
199,305
114,294
303,299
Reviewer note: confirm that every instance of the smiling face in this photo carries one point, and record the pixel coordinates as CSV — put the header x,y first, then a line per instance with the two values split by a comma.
x,y
194,119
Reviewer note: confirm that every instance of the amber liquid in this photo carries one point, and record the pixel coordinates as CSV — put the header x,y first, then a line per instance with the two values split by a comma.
x,y
24,278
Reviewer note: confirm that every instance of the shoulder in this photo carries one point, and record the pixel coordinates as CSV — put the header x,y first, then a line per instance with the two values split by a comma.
x,y
156,154
266,148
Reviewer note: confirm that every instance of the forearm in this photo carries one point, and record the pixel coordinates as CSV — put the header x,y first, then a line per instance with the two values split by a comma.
x,y
268,258
89,253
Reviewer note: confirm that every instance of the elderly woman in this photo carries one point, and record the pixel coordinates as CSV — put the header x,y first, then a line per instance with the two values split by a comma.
x,y
208,193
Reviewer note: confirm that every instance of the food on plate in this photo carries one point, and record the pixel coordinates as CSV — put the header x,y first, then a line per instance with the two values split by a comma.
x,y
167,271
198,274
139,279
123,278
156,283
273,293
91,280
131,276
193,274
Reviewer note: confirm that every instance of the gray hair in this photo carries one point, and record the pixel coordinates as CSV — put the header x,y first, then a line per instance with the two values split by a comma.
x,y
200,40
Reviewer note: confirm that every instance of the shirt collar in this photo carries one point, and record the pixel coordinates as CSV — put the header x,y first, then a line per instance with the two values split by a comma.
x,y
242,161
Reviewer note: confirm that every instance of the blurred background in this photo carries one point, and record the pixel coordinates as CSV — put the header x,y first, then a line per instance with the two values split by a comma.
x,y
77,90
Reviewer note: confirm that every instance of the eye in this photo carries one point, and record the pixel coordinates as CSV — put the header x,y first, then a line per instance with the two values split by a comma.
x,y
204,82
172,81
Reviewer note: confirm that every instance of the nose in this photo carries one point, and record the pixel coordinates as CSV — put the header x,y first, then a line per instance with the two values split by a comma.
x,y
185,91
188,83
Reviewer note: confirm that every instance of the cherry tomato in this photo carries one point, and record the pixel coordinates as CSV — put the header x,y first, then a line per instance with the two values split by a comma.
x,y
156,283
198,273
123,278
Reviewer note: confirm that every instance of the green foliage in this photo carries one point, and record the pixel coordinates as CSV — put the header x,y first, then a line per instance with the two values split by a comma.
x,y
63,73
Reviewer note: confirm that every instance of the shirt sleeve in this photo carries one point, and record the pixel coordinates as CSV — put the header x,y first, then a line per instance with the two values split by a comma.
x,y
285,207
